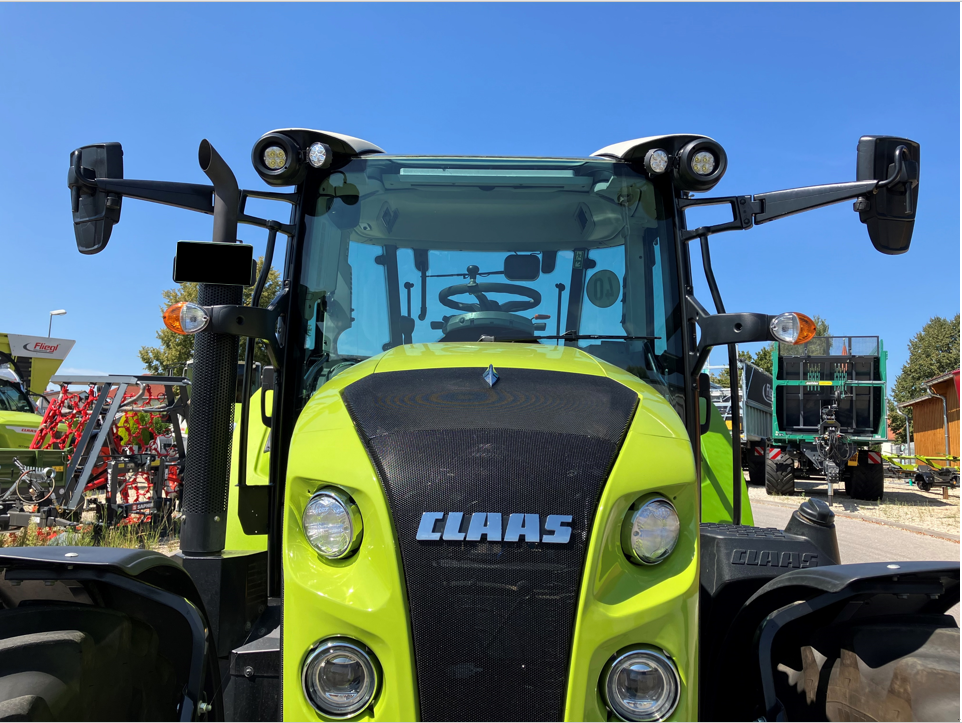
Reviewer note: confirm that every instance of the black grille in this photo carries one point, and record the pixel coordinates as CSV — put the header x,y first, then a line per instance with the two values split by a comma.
x,y
491,622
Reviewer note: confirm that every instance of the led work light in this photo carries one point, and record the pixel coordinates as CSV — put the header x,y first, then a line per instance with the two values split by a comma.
x,y
340,678
319,155
656,161
641,685
650,532
332,523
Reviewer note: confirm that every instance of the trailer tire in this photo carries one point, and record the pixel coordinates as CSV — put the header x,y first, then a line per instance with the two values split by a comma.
x,y
756,468
780,476
868,481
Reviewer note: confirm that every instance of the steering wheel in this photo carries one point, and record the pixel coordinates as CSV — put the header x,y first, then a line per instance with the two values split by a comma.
x,y
477,290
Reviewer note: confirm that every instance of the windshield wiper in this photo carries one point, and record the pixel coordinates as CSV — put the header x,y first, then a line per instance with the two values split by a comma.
x,y
567,336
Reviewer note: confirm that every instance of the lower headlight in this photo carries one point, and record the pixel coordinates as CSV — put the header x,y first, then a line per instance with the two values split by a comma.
x,y
641,685
340,678
650,532
332,523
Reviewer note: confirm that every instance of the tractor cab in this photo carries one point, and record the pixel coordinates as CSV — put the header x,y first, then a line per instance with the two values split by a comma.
x,y
423,250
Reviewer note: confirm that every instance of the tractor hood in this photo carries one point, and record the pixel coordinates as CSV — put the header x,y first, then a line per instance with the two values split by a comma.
x,y
654,416
17,429
482,473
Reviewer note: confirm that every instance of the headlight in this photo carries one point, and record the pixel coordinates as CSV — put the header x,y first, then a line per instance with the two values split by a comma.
x,y
332,523
641,685
650,533
793,328
340,678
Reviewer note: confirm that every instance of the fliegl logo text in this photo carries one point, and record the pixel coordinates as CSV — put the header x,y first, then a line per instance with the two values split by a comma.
x,y
492,527
41,347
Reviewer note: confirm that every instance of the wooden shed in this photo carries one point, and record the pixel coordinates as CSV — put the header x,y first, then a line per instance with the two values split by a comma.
x,y
928,425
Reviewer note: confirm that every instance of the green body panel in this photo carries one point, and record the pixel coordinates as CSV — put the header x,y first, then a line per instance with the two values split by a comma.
x,y
363,597
716,474
41,458
258,462
17,429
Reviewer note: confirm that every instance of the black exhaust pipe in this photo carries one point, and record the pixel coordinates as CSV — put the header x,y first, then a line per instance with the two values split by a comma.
x,y
211,417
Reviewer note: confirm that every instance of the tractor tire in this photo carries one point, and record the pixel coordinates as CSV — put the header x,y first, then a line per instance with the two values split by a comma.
x,y
868,481
756,469
780,476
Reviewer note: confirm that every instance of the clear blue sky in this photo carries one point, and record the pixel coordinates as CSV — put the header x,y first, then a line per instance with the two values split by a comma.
x,y
787,89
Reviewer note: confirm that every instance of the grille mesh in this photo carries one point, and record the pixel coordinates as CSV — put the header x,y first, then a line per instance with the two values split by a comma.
x,y
491,622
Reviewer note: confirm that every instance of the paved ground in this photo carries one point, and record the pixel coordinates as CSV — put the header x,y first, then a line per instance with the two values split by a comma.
x,y
868,542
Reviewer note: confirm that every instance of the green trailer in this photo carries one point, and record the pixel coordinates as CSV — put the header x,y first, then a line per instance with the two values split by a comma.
x,y
829,415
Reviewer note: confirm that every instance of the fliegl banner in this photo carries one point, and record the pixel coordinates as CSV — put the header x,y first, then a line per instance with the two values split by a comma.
x,y
42,347
38,357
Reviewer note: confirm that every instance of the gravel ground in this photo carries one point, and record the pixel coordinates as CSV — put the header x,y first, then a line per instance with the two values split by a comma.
x,y
902,503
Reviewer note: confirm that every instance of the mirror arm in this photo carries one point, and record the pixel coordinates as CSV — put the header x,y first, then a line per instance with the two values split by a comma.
x,y
773,205
192,196
778,204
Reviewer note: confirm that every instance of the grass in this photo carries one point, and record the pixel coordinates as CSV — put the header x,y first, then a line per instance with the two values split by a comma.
x,y
134,536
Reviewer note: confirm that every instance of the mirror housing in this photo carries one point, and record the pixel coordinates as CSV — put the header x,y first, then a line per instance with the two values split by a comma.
x,y
889,214
94,211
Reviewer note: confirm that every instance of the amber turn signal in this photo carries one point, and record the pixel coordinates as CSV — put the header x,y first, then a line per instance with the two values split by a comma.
x,y
186,317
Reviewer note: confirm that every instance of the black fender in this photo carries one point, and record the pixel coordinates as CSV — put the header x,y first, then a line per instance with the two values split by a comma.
x,y
131,575
809,599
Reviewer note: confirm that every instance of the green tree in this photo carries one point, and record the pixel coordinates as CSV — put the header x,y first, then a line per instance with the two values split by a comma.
x,y
175,350
723,378
763,358
932,352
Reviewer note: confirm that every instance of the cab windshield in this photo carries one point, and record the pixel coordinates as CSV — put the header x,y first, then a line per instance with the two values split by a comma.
x,y
12,399
410,250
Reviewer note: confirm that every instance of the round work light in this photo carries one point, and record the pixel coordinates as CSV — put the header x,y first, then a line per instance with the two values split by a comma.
x,y
340,678
656,161
701,165
641,685
319,155
278,160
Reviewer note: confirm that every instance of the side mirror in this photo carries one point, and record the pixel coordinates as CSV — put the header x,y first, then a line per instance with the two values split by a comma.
x,y
522,267
94,211
890,212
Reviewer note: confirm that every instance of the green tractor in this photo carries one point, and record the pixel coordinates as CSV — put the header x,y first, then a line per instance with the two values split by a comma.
x,y
482,478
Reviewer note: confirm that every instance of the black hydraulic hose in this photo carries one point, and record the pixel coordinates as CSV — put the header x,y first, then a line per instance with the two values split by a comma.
x,y
737,477
249,356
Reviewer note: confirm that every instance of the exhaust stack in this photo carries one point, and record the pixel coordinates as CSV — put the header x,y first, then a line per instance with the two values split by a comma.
x,y
211,416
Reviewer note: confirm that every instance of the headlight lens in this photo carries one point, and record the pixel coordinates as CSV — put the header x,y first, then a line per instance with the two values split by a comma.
x,y
275,157
340,678
703,163
650,533
641,685
332,523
